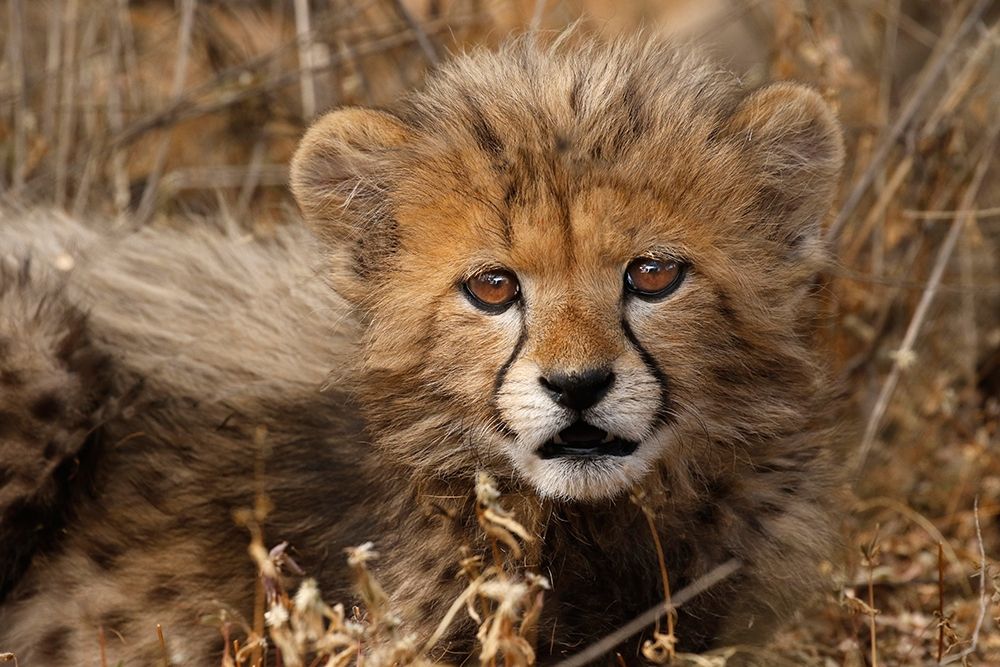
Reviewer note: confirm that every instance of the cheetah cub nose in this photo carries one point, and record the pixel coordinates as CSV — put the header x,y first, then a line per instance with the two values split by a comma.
x,y
578,390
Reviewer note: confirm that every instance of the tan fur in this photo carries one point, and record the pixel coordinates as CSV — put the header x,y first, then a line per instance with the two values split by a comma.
x,y
561,164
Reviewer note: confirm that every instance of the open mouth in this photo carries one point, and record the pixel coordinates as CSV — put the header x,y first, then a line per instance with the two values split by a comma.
x,y
583,441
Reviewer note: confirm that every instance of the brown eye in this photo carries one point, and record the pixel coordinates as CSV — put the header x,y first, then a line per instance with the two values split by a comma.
x,y
493,290
653,277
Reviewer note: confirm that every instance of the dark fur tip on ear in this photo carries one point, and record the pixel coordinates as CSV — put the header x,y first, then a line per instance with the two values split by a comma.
x,y
799,148
336,166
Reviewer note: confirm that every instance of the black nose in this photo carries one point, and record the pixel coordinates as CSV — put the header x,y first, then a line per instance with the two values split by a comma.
x,y
578,390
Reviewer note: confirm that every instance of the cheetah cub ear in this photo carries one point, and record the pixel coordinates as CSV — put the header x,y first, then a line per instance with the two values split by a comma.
x,y
797,149
340,172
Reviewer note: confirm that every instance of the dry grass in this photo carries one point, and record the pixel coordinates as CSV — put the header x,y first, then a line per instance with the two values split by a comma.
x,y
159,108
301,629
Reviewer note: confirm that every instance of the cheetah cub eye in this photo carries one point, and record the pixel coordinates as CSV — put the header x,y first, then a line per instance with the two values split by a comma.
x,y
654,278
493,290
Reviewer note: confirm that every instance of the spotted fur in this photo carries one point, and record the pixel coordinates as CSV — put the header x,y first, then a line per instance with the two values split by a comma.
x,y
558,162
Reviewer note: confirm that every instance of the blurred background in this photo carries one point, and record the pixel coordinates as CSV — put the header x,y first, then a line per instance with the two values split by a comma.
x,y
185,111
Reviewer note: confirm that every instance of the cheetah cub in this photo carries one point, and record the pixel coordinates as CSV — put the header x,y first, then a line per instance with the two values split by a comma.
x,y
582,268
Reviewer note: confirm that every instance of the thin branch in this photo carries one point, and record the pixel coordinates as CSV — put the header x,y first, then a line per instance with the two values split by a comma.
x,y
422,38
147,202
53,46
67,114
189,106
932,72
116,117
949,102
983,598
224,176
16,59
702,584
252,178
940,609
130,56
919,520
973,214
904,354
307,79
86,81
910,26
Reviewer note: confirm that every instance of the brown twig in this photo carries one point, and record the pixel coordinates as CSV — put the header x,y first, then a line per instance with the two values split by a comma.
x,y
932,71
983,597
975,214
422,38
116,118
700,585
164,655
882,110
662,648
53,50
918,519
947,105
304,39
940,582
903,356
662,563
15,56
226,176
252,178
871,551
87,81
103,645
67,114
189,106
148,200
910,26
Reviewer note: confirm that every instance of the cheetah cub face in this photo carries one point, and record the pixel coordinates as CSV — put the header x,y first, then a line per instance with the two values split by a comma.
x,y
574,263
587,406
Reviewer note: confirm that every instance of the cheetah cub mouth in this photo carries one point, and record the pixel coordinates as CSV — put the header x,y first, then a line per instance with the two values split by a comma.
x,y
584,441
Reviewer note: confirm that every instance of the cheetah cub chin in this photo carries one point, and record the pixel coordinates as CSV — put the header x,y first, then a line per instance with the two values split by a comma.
x,y
585,268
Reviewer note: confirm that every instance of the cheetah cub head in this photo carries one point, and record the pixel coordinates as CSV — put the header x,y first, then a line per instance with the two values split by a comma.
x,y
576,264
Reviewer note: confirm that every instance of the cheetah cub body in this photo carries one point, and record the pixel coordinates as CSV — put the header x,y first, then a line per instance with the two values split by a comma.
x,y
584,269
